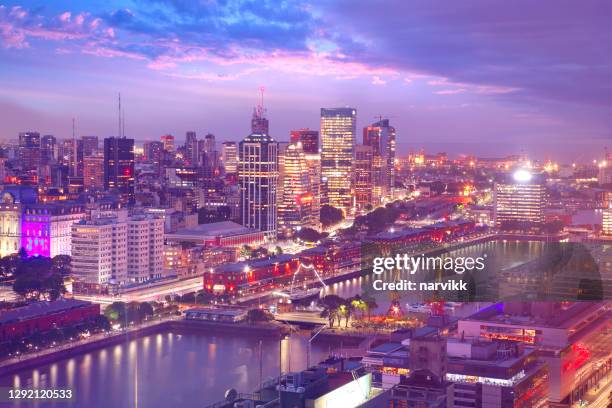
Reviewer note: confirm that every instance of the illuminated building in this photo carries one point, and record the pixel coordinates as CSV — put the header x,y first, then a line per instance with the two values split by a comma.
x,y
295,206
11,208
258,178
337,154
496,374
90,145
153,152
191,148
119,166
221,234
607,220
309,139
118,250
145,248
381,137
259,123
46,228
48,148
229,157
99,255
93,172
29,149
569,337
604,174
520,201
167,142
363,177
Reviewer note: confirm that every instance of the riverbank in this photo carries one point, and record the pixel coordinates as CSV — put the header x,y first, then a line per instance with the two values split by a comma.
x,y
180,326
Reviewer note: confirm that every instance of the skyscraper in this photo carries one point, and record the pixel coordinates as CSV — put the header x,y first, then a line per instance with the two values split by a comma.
x,y
48,148
168,142
309,139
29,149
119,166
363,177
191,148
520,200
258,178
337,153
381,136
93,172
90,145
229,157
295,206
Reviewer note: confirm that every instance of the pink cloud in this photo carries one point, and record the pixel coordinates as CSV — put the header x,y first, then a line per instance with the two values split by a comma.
x,y
450,91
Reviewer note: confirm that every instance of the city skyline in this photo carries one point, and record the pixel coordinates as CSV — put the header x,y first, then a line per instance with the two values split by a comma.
x,y
452,82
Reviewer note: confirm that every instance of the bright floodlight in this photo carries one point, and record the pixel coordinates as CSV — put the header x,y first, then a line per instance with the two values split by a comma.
x,y
522,175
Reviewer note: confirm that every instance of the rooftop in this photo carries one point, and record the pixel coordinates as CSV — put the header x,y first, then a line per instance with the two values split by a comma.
x,y
215,229
40,309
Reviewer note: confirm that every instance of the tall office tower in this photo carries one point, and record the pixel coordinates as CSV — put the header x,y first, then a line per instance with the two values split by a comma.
x,y
604,174
145,248
210,145
191,148
337,151
309,139
29,149
258,178
153,152
295,207
48,148
67,153
607,220
363,177
381,136
90,145
119,167
93,172
229,157
519,202
167,142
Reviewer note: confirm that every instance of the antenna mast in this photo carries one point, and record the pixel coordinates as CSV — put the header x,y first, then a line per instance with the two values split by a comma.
x,y
119,118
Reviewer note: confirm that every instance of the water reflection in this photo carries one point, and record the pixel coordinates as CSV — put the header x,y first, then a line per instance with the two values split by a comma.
x,y
190,370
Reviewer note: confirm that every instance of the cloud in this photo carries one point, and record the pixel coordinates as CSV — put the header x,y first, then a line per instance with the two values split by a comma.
x,y
377,81
450,91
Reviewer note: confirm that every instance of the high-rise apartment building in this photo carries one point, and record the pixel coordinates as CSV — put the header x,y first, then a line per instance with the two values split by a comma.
x,y
363,177
99,255
520,200
145,248
258,178
229,157
119,166
381,136
295,204
118,250
153,152
337,154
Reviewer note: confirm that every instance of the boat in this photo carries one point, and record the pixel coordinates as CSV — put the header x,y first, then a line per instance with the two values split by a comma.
x,y
299,295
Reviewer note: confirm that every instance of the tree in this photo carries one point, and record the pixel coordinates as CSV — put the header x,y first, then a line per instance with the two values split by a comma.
x,y
116,312
331,305
258,315
310,235
145,310
330,215
62,264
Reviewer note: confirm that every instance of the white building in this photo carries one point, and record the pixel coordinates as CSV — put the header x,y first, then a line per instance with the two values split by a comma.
x,y
118,250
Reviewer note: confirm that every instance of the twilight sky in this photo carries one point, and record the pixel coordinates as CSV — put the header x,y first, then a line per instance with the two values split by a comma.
x,y
490,77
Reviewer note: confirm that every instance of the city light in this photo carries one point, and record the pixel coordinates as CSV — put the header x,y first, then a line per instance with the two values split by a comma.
x,y
522,175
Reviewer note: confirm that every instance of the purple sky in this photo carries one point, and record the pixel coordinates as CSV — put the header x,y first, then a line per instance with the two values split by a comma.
x,y
487,77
